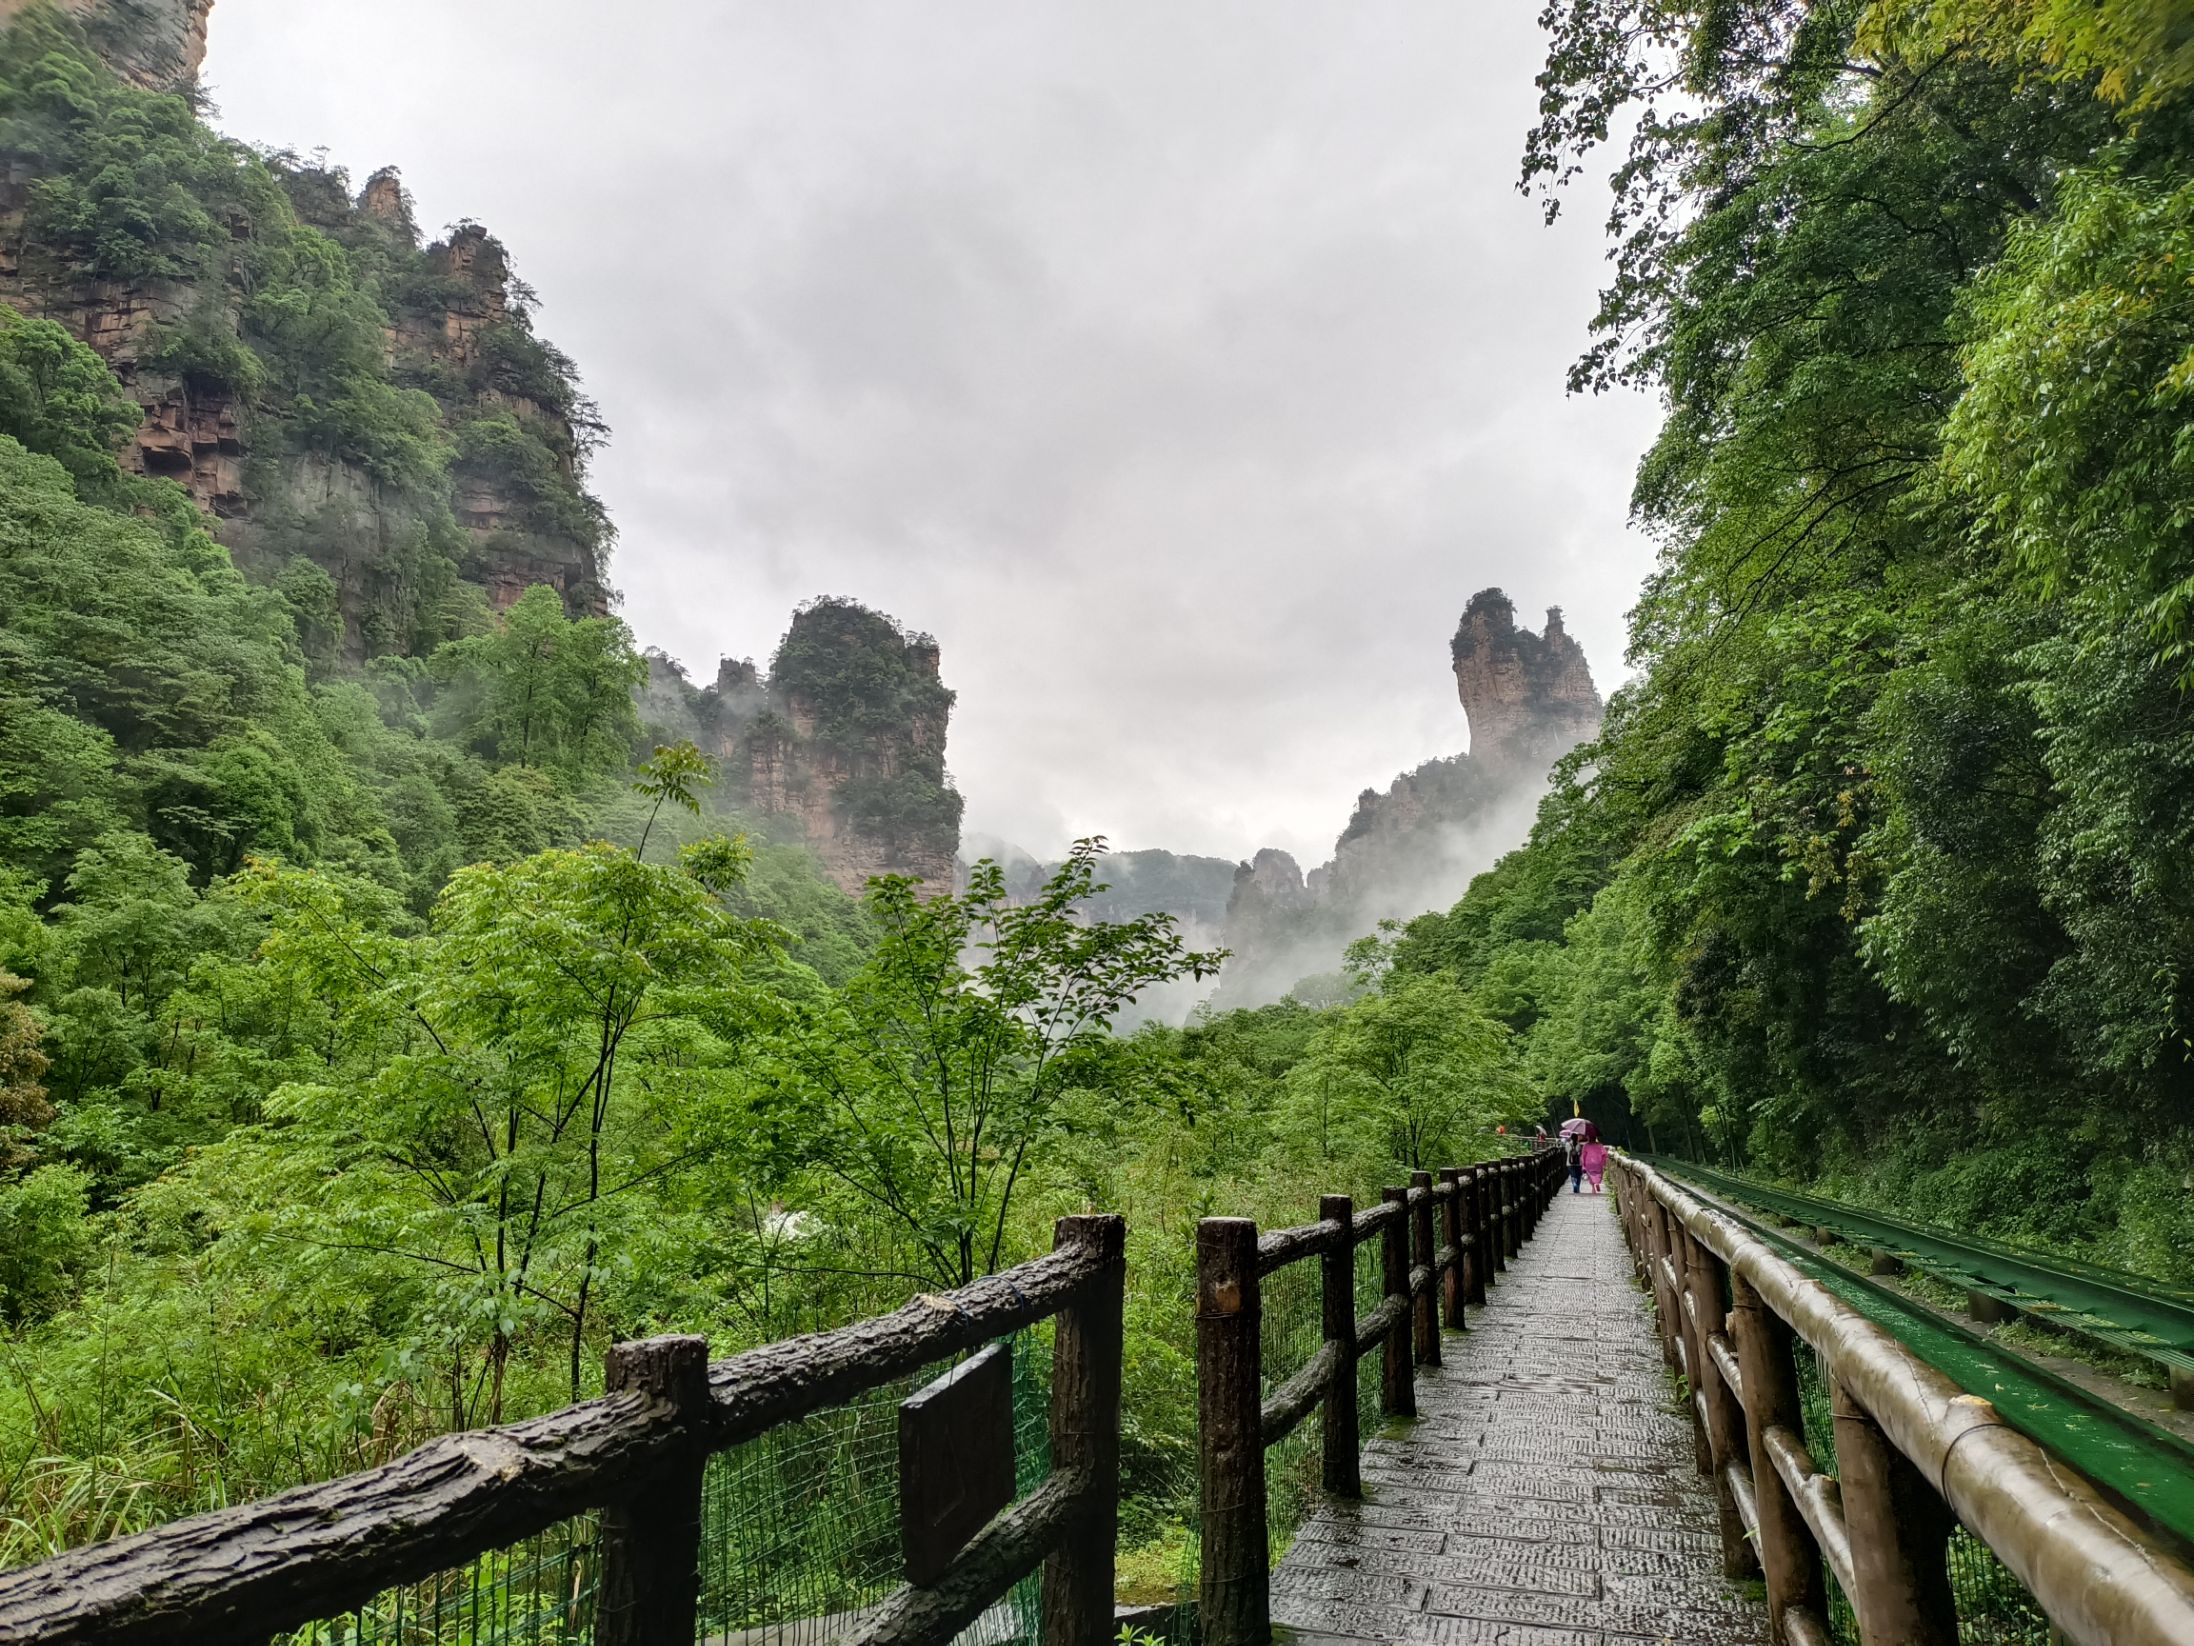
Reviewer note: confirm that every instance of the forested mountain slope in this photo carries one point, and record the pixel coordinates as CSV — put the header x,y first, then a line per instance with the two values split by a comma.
x,y
408,987
403,994
1879,871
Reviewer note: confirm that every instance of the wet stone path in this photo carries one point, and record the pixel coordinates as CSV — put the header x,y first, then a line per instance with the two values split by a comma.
x,y
1546,1496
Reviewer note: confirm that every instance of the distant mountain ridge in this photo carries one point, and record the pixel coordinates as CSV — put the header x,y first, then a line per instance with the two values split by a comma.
x,y
1528,699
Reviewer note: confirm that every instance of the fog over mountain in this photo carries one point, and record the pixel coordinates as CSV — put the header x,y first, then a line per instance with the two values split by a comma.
x,y
1182,370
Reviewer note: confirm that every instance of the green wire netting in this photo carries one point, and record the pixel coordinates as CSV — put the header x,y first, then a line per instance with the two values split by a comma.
x,y
1291,1333
541,1590
1994,1607
800,1527
799,1536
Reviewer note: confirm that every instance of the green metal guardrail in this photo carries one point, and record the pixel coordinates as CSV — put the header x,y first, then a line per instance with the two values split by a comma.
x,y
2149,1468
2126,1312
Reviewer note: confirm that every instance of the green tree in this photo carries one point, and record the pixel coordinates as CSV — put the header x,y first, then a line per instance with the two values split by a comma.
x,y
924,1086
59,398
1416,1071
43,1240
517,1088
544,689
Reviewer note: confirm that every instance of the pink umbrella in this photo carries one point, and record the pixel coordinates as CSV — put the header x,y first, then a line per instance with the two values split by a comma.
x,y
1581,1128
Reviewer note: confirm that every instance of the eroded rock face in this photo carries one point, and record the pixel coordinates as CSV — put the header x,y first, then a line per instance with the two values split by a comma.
x,y
1529,697
845,740
1416,844
178,345
158,44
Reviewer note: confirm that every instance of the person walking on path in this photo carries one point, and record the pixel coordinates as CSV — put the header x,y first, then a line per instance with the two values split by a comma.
x,y
1574,1146
1592,1161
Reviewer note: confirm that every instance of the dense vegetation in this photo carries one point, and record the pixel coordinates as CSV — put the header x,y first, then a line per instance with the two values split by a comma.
x,y
1878,871
324,323
390,1019
395,1006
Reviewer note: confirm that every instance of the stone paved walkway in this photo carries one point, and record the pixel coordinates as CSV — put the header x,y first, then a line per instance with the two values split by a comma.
x,y
1546,1496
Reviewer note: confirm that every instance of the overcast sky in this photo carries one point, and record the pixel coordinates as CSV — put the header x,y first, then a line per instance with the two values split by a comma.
x,y
1182,366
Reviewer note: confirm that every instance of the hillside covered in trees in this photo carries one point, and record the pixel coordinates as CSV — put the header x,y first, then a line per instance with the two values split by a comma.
x,y
409,987
1878,871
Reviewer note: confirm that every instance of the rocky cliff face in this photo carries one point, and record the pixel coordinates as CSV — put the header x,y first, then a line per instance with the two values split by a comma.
x,y
320,382
1529,697
842,743
1416,845
1275,918
157,44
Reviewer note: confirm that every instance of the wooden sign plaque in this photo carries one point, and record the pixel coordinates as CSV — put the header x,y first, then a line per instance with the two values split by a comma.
x,y
955,1460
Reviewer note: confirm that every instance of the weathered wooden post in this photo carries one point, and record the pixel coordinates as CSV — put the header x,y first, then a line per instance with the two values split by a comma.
x,y
1453,1285
1496,1239
1724,1416
1513,1193
1474,1220
1341,1471
651,1539
1900,1536
1233,1598
1664,1302
1790,1556
1691,1326
1425,1305
1085,1433
1397,1386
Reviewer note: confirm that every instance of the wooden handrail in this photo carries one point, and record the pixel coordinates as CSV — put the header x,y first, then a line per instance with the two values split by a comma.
x,y
260,1569
1436,1238
1920,1452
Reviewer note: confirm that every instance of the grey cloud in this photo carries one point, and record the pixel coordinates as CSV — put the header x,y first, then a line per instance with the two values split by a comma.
x,y
1183,367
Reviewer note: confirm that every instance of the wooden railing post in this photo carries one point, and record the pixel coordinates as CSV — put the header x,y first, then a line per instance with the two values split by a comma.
x,y
1397,1385
1790,1557
1664,1304
1085,1434
651,1539
1512,1196
1233,1597
1497,1216
1342,1471
1724,1415
1425,1309
1452,1287
1478,1258
1900,1536
1690,1323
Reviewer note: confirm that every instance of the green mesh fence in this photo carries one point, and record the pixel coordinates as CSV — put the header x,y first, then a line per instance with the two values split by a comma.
x,y
799,1536
1289,1337
1291,1333
1994,1607
800,1527
1370,1280
541,1590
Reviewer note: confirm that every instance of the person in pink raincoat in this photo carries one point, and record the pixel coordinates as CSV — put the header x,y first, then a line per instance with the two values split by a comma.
x,y
1593,1158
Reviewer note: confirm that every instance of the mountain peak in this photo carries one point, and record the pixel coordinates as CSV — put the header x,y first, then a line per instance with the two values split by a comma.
x,y
1529,697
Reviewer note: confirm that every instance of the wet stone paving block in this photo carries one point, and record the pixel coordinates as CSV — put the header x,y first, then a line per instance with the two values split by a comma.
x,y
1546,1496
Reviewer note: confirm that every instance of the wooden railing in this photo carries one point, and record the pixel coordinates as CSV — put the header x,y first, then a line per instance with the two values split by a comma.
x,y
1485,1213
637,1453
1917,1455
